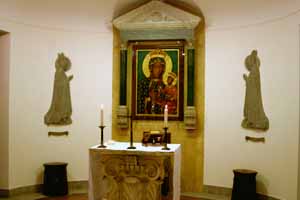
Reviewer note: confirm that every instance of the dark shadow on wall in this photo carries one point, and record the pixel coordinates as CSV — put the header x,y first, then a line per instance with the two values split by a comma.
x,y
261,183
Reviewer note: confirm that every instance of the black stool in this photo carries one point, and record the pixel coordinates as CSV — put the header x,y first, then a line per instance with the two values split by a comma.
x,y
244,185
55,179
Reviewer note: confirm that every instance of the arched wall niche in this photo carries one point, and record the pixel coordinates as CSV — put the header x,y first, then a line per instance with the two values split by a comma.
x,y
190,137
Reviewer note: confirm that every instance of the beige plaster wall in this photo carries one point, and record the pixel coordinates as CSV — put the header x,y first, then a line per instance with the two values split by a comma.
x,y
33,54
4,110
276,161
191,141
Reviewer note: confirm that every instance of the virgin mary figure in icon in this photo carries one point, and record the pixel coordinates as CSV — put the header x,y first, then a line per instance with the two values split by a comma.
x,y
151,90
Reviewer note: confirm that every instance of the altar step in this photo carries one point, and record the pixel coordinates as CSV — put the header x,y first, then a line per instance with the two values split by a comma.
x,y
204,196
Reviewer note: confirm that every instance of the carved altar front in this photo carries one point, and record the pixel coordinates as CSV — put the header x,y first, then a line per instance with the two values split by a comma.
x,y
120,174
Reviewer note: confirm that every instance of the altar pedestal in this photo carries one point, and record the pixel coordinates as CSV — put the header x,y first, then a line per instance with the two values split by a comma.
x,y
118,173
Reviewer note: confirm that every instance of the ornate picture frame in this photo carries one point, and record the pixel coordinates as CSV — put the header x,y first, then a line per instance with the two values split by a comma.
x,y
158,76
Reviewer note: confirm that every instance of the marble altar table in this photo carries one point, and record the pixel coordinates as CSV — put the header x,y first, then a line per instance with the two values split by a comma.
x,y
118,173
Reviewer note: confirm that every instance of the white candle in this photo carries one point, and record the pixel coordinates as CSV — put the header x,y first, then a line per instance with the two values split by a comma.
x,y
101,115
166,116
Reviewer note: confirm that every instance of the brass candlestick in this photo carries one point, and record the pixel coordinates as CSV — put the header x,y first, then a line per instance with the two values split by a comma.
x,y
101,142
165,140
131,135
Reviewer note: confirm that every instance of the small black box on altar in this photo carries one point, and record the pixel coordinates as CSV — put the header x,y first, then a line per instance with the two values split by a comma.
x,y
155,138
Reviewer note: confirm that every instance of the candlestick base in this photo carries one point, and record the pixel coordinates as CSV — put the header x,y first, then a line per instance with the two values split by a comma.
x,y
165,140
101,146
165,148
131,135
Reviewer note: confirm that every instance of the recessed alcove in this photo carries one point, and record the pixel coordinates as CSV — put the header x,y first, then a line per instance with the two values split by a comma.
x,y
161,21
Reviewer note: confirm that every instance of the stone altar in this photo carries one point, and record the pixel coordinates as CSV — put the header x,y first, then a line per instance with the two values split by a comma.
x,y
117,173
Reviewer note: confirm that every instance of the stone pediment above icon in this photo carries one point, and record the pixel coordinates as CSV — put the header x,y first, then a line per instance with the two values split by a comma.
x,y
156,15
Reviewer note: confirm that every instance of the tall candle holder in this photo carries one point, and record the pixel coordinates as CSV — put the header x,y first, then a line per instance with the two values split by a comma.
x,y
131,135
165,140
101,141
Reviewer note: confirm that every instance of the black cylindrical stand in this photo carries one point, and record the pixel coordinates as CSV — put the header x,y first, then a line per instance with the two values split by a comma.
x,y
244,185
166,139
55,179
101,142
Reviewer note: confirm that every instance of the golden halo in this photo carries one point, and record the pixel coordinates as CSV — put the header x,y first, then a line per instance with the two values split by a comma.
x,y
166,57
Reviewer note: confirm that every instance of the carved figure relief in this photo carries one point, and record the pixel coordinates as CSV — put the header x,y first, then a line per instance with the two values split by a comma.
x,y
254,114
131,177
60,110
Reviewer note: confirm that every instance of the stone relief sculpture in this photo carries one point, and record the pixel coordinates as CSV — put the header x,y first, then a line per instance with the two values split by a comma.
x,y
254,114
60,110
130,177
